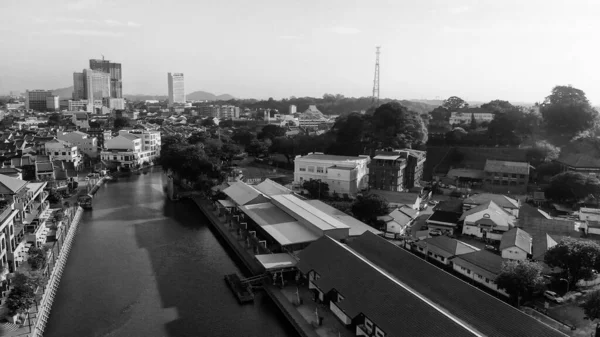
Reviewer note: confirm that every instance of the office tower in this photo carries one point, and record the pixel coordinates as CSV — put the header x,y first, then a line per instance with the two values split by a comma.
x,y
116,78
36,99
176,88
52,103
292,109
91,85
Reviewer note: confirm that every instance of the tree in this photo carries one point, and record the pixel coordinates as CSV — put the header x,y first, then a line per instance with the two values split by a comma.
x,y
54,119
121,122
572,187
542,152
349,132
197,137
393,125
257,148
591,305
441,114
498,106
36,258
317,189
54,197
243,136
473,121
271,131
208,122
22,296
285,146
577,257
455,103
520,278
367,208
567,109
230,150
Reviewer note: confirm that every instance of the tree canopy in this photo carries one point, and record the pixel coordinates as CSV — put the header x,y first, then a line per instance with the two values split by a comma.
x,y
542,152
317,189
567,109
271,131
393,125
121,122
576,257
36,258
591,305
520,278
367,208
572,187
454,103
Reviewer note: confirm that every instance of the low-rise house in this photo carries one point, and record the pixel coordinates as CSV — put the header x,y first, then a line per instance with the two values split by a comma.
x,y
12,172
445,222
487,221
398,221
44,169
507,175
81,120
589,214
516,244
84,142
442,248
64,151
482,267
579,162
508,204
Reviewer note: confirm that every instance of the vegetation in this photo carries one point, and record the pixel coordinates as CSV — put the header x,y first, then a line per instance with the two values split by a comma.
x,y
520,278
54,197
576,257
36,258
121,122
454,103
316,188
572,187
367,208
22,295
542,152
567,110
591,305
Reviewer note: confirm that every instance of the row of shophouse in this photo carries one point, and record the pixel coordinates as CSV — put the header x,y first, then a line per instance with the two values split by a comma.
x,y
373,287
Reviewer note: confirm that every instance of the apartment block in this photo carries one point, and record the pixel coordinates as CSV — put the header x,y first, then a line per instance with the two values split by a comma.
x,y
396,170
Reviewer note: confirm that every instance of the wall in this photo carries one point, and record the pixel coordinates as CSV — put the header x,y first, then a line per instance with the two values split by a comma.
x,y
339,313
479,279
514,253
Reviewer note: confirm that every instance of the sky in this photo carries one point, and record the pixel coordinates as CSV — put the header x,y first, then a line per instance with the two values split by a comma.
x,y
480,50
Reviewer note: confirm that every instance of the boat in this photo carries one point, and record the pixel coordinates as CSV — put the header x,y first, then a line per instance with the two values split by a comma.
x,y
85,201
243,292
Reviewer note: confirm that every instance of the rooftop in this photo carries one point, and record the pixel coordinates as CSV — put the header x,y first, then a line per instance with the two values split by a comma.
x,y
308,212
475,308
330,157
129,136
500,200
516,237
357,227
243,194
579,160
506,167
269,187
484,260
10,185
445,217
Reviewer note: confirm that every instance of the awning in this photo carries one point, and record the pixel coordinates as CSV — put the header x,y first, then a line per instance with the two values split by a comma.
x,y
383,157
290,233
226,203
276,261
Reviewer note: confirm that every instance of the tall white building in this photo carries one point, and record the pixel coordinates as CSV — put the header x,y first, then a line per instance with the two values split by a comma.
x,y
176,88
292,109
132,148
91,85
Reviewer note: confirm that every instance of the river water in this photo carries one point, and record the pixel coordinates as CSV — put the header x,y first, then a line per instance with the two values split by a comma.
x,y
143,266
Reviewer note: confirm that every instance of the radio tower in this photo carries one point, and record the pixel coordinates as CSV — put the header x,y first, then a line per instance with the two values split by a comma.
x,y
376,80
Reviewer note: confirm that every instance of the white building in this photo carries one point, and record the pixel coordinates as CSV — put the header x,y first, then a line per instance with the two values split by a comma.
x,y
516,244
487,221
292,109
343,174
465,117
63,151
84,142
176,88
480,266
132,148
80,105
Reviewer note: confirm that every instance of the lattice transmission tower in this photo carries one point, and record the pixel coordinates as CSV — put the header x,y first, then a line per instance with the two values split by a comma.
x,y
376,79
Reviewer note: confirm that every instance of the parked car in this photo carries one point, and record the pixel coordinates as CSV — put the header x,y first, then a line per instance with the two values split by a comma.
x,y
435,232
490,247
552,296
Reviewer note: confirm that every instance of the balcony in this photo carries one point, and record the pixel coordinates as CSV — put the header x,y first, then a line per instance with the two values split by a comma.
x,y
363,330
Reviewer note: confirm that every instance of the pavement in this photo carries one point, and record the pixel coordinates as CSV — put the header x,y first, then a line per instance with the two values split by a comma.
x,y
331,327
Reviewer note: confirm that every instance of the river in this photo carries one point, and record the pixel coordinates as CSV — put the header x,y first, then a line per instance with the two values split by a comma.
x,y
144,266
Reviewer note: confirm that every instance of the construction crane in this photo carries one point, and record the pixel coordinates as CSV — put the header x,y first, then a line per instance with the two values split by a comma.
x,y
375,99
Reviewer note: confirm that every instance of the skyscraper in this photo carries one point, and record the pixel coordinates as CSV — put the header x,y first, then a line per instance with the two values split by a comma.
x,y
36,99
91,85
176,88
116,79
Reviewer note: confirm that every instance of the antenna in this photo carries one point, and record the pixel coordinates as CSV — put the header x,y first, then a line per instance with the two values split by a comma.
x,y
376,79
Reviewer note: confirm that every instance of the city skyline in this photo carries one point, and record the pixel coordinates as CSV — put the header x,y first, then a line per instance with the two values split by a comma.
x,y
478,50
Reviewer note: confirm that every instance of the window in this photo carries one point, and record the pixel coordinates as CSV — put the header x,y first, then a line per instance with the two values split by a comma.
x,y
379,333
522,176
319,169
302,169
368,324
487,280
514,175
64,153
311,169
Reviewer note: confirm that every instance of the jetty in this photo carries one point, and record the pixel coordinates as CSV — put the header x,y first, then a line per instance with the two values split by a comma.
x,y
241,290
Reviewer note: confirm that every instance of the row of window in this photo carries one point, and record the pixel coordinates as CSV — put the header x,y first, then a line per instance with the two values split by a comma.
x,y
505,175
504,182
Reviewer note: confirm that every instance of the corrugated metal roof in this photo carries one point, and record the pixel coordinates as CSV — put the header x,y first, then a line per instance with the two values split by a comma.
x,y
516,237
506,167
242,193
312,214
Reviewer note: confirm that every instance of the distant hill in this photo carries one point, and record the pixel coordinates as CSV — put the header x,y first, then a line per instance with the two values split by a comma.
x,y
64,93
207,96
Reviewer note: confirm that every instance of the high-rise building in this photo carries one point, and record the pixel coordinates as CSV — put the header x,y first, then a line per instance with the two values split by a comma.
x,y
176,88
292,109
91,85
52,103
116,79
36,99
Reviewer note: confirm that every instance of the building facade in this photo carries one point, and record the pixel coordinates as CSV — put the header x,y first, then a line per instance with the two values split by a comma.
x,y
36,99
64,151
101,136
396,170
91,85
343,174
459,117
52,103
80,105
131,149
506,175
85,143
292,109
81,120
176,88
115,75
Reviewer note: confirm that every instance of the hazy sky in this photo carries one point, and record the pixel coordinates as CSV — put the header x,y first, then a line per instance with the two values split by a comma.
x,y
480,50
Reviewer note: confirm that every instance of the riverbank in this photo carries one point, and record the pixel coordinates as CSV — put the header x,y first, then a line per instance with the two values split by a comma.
x,y
295,318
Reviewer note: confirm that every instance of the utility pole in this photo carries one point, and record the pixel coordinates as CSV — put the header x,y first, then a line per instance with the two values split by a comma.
x,y
376,79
